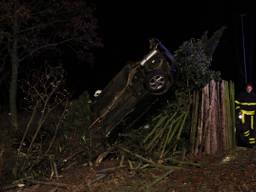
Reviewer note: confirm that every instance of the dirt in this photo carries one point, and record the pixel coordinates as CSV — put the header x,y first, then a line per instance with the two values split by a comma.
x,y
229,173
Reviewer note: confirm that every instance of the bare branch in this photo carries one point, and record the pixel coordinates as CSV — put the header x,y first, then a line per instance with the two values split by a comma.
x,y
50,45
28,125
58,126
41,25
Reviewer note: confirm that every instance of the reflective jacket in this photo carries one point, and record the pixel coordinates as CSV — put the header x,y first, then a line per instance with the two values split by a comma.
x,y
246,101
246,106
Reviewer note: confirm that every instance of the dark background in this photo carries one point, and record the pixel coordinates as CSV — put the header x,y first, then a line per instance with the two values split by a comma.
x,y
126,26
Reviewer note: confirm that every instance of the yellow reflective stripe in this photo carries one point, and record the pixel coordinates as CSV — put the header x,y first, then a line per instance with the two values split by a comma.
x,y
246,133
252,139
252,122
243,119
251,142
238,107
246,112
245,103
249,104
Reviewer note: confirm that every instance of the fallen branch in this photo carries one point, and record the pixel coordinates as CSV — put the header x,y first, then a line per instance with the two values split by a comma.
x,y
54,189
183,162
102,156
146,160
107,170
9,187
62,185
160,178
99,177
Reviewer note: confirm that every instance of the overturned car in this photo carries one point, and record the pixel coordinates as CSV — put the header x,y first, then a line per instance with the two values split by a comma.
x,y
131,93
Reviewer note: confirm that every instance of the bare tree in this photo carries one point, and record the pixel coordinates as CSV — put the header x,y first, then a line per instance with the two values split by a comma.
x,y
45,94
30,27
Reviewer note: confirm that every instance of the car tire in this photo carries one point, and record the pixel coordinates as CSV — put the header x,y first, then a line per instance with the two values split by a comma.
x,y
157,82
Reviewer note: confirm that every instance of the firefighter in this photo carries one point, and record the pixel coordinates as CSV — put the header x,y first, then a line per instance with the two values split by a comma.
x,y
246,110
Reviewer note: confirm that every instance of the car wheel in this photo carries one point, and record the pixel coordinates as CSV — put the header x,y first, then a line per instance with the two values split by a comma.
x,y
157,82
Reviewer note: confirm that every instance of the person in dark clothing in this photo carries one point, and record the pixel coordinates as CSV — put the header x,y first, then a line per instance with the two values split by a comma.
x,y
245,110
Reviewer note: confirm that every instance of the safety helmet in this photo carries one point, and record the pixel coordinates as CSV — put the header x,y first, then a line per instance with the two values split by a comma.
x,y
249,85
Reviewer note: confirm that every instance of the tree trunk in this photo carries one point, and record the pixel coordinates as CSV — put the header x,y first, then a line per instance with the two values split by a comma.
x,y
213,132
206,141
232,111
14,77
213,126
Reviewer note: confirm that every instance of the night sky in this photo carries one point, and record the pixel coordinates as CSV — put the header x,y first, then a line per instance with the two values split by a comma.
x,y
126,26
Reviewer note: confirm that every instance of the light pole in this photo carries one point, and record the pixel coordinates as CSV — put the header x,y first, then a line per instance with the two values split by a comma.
x,y
244,51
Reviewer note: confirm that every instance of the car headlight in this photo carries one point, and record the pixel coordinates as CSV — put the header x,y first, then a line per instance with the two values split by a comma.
x,y
97,93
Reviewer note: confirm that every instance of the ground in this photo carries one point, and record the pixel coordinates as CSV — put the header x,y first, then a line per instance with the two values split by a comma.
x,y
233,172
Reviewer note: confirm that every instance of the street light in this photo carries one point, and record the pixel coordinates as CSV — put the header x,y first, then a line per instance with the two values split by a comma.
x,y
244,51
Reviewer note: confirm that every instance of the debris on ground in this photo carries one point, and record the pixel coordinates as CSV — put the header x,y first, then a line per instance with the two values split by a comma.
x,y
231,172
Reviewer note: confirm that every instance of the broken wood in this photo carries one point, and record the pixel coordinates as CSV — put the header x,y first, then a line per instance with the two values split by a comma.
x,y
102,156
152,163
61,185
160,178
